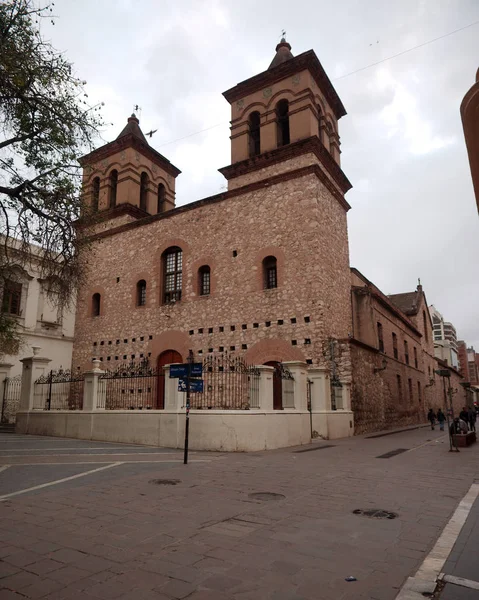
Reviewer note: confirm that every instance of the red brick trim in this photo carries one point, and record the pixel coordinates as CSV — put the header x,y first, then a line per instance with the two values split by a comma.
x,y
129,141
283,153
257,185
96,290
169,340
307,60
195,267
278,253
271,349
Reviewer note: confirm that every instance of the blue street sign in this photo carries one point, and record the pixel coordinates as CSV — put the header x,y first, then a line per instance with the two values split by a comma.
x,y
196,370
196,385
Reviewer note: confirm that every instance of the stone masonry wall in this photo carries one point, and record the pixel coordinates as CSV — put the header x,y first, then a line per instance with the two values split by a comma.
x,y
298,221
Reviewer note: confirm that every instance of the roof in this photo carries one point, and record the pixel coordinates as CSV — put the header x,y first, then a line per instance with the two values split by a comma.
x,y
407,302
287,66
133,128
283,53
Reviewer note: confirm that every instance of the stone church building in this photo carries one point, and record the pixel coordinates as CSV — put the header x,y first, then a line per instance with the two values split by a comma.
x,y
260,272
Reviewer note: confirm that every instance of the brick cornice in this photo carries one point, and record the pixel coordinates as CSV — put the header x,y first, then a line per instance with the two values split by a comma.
x,y
257,185
283,153
129,141
111,213
306,60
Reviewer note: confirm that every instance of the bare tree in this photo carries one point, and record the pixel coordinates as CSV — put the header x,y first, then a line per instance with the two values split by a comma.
x,y
45,124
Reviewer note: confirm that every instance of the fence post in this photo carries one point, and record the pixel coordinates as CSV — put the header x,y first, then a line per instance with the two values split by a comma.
x,y
265,387
320,389
33,368
4,373
93,392
298,370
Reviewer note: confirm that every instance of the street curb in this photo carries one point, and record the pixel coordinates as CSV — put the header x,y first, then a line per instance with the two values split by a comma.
x,y
425,580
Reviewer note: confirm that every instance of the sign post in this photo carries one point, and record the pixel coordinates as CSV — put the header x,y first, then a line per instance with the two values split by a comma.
x,y
187,424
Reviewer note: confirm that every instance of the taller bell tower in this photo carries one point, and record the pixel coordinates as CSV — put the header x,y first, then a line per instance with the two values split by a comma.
x,y
287,115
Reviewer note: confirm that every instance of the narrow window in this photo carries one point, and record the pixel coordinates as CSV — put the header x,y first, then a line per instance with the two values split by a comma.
x,y
254,134
409,383
395,345
113,187
282,118
173,274
96,305
270,274
399,385
406,352
205,280
143,190
425,325
95,201
419,391
380,338
415,357
12,297
161,198
141,293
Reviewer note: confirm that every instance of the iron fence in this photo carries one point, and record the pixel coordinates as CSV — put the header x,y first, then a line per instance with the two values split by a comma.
x,y
229,383
12,387
59,390
132,386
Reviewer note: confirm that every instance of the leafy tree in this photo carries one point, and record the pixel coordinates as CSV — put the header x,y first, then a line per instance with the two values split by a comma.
x,y
45,124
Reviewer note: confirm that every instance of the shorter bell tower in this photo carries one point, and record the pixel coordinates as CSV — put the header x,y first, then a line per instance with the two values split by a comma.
x,y
128,175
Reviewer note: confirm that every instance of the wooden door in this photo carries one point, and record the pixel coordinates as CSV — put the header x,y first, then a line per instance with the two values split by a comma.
x,y
277,384
165,358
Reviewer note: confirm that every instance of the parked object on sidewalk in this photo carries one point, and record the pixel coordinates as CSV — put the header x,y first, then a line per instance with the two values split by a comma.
x,y
350,578
462,440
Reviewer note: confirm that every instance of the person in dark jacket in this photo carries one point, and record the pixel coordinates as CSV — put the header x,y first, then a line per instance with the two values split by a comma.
x,y
471,413
464,415
441,417
431,417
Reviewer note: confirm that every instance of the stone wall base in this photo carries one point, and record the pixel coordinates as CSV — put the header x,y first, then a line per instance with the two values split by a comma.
x,y
231,431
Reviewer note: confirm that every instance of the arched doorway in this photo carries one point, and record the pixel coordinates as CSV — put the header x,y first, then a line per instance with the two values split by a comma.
x,y
165,358
277,384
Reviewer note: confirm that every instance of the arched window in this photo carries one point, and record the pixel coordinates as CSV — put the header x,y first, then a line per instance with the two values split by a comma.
x,y
141,293
113,186
270,274
204,286
282,118
320,121
96,305
161,198
172,274
254,134
95,200
12,297
143,190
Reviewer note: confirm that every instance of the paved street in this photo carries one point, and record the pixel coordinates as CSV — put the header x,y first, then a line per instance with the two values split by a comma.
x,y
96,520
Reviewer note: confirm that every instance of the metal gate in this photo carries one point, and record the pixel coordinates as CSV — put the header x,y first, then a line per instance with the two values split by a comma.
x,y
12,387
130,387
59,390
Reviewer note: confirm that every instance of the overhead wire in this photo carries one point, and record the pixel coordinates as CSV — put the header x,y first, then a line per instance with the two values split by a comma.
x,y
374,64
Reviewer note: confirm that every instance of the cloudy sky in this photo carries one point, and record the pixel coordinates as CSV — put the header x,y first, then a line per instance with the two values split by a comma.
x,y
413,209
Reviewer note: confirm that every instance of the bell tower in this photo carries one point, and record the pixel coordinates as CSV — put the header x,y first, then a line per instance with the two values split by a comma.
x,y
287,115
128,176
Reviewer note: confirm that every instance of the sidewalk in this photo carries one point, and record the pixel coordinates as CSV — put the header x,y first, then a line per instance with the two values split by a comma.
x,y
463,561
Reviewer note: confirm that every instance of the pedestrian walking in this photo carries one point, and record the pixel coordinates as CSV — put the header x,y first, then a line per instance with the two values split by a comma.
x,y
441,417
431,417
471,413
